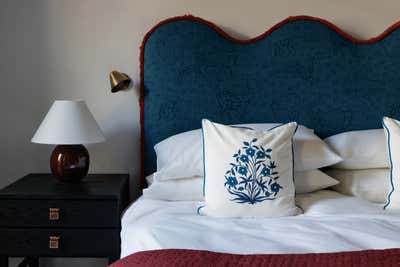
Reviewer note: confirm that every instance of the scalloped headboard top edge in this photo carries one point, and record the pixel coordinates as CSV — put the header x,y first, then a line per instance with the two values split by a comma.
x,y
304,69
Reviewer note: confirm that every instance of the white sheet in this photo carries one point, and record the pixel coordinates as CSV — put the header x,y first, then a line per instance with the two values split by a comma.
x,y
331,222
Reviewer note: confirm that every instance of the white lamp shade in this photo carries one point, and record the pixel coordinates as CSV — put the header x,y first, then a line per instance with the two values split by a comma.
x,y
68,123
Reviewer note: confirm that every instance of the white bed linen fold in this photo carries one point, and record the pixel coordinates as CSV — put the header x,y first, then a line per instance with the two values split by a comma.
x,y
331,222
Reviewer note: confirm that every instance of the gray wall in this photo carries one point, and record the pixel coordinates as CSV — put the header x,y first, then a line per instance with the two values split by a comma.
x,y
64,49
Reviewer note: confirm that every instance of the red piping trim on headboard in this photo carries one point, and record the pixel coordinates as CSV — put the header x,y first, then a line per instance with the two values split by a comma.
x,y
241,41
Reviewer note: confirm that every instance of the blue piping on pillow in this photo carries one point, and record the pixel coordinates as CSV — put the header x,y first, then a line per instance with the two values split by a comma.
x,y
248,128
199,208
204,157
294,183
279,125
242,127
391,166
297,126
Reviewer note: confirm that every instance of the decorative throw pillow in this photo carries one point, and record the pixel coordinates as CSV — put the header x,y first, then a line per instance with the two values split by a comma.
x,y
392,132
248,173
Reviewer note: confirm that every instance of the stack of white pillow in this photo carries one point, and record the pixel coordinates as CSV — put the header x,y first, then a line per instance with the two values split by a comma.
x,y
371,162
364,163
180,169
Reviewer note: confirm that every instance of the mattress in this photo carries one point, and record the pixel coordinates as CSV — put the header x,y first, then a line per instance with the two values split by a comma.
x,y
331,222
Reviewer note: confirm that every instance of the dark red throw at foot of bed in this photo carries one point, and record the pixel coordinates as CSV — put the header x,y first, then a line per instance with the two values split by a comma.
x,y
198,258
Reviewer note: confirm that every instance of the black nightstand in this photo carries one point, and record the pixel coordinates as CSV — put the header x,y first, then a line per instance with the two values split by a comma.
x,y
41,217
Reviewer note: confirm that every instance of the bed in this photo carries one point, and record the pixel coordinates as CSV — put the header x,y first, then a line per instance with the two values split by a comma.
x,y
303,69
331,222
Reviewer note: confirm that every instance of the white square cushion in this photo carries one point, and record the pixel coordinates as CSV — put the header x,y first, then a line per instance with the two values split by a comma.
x,y
369,184
248,173
310,181
181,155
186,189
392,133
360,149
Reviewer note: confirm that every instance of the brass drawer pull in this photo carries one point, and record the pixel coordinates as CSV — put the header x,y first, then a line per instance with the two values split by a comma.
x,y
54,214
54,242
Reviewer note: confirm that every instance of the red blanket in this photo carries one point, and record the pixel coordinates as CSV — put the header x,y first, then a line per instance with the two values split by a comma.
x,y
198,258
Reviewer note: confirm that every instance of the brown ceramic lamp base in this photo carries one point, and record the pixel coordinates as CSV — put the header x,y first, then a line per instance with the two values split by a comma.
x,y
69,163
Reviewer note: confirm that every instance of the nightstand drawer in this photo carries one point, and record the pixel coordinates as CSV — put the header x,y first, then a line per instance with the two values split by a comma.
x,y
59,242
59,213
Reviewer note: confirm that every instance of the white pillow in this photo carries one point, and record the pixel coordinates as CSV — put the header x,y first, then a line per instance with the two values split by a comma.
x,y
327,202
248,173
310,181
369,184
181,155
191,189
392,133
150,179
360,149
186,189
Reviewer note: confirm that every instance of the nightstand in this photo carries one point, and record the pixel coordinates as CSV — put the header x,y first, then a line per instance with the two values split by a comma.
x,y
42,217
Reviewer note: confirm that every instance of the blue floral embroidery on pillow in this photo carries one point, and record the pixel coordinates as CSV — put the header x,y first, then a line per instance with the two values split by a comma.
x,y
252,177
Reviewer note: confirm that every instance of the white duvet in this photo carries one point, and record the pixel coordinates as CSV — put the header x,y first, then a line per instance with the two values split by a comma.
x,y
331,222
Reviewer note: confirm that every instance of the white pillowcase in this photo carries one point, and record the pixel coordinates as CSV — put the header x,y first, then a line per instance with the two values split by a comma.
x,y
360,149
181,155
327,202
310,181
392,133
191,189
370,184
186,189
248,173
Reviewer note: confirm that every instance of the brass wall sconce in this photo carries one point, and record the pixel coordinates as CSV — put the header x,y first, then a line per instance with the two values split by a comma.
x,y
119,81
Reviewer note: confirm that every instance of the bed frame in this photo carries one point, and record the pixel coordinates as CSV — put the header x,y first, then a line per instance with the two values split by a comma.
x,y
303,69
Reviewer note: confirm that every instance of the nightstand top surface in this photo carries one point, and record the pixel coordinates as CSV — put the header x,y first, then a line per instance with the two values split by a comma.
x,y
46,186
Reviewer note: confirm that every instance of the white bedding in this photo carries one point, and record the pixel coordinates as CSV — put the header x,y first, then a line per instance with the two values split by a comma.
x,y
331,222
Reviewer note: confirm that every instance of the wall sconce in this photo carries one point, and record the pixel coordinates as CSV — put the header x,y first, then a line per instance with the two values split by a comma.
x,y
119,81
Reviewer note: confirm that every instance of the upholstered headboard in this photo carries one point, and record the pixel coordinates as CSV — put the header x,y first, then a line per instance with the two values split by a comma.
x,y
304,69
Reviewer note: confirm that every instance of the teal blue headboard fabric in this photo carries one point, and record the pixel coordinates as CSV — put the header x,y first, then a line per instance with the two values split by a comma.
x,y
304,69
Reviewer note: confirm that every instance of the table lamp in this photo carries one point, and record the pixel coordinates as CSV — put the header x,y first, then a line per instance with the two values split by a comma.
x,y
69,125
